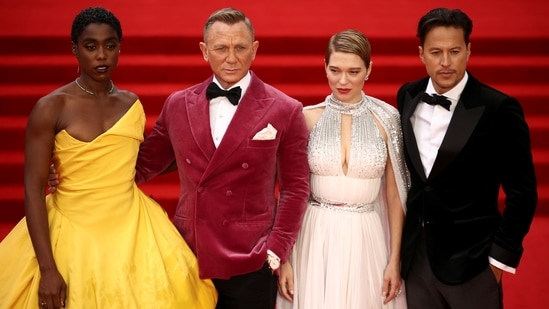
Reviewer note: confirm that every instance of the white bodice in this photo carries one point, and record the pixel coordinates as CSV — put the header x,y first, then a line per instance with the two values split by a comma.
x,y
368,155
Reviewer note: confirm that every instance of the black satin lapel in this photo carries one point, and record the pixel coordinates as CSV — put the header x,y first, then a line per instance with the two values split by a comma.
x,y
410,142
459,131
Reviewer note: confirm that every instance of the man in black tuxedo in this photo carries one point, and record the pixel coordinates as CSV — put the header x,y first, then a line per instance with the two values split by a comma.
x,y
461,148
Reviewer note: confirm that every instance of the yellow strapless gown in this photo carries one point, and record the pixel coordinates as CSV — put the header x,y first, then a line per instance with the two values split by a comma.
x,y
114,246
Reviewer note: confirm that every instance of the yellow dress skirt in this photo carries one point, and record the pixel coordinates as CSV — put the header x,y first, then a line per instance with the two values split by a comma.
x,y
114,246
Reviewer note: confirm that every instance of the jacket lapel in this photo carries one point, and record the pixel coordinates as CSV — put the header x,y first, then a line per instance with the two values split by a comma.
x,y
198,113
409,136
251,109
464,120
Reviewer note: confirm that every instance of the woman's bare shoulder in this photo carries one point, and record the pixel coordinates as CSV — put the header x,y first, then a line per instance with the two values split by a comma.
x,y
312,113
55,99
127,95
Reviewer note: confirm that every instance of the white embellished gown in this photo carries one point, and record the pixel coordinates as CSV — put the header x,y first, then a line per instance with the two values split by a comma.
x,y
342,249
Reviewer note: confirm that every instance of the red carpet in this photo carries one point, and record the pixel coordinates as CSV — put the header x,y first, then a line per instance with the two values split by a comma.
x,y
510,50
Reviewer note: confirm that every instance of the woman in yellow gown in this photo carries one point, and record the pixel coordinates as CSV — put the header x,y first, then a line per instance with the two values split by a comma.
x,y
97,241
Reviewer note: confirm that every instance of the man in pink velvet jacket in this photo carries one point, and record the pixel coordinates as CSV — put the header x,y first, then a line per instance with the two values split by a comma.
x,y
229,159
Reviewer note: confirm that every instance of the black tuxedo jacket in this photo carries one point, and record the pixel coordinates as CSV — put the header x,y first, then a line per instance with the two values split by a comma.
x,y
486,147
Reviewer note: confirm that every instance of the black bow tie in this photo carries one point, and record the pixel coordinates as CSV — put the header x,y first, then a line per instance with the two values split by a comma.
x,y
233,95
436,99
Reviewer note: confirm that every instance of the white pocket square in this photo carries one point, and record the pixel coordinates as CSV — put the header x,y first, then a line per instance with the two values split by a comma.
x,y
266,133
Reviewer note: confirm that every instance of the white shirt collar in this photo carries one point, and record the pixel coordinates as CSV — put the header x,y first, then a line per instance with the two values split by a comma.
x,y
244,83
454,93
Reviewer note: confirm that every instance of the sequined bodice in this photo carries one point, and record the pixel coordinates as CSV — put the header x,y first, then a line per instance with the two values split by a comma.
x,y
368,153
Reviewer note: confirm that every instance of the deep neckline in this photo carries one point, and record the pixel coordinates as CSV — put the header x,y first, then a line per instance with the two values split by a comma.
x,y
64,131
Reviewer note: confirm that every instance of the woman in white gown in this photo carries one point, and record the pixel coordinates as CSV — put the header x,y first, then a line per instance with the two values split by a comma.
x,y
348,252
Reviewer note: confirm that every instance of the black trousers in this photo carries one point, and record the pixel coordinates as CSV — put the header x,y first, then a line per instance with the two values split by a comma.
x,y
424,290
255,290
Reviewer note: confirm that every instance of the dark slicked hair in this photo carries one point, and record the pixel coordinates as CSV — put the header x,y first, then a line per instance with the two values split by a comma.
x,y
94,15
446,18
228,16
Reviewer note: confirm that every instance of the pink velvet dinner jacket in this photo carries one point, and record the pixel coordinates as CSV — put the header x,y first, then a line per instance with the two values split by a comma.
x,y
227,210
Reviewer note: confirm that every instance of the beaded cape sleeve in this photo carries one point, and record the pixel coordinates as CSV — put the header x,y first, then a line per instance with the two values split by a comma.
x,y
389,119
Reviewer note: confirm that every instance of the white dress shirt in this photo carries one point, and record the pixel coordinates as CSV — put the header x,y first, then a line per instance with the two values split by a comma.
x,y
430,123
222,111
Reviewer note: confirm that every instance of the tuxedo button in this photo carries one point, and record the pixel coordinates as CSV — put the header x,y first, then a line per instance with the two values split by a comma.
x,y
427,189
188,161
201,189
245,165
229,193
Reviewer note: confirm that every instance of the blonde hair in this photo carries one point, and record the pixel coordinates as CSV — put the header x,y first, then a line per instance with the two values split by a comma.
x,y
350,41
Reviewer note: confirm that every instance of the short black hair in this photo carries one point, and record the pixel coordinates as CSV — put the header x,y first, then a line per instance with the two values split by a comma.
x,y
446,18
94,15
